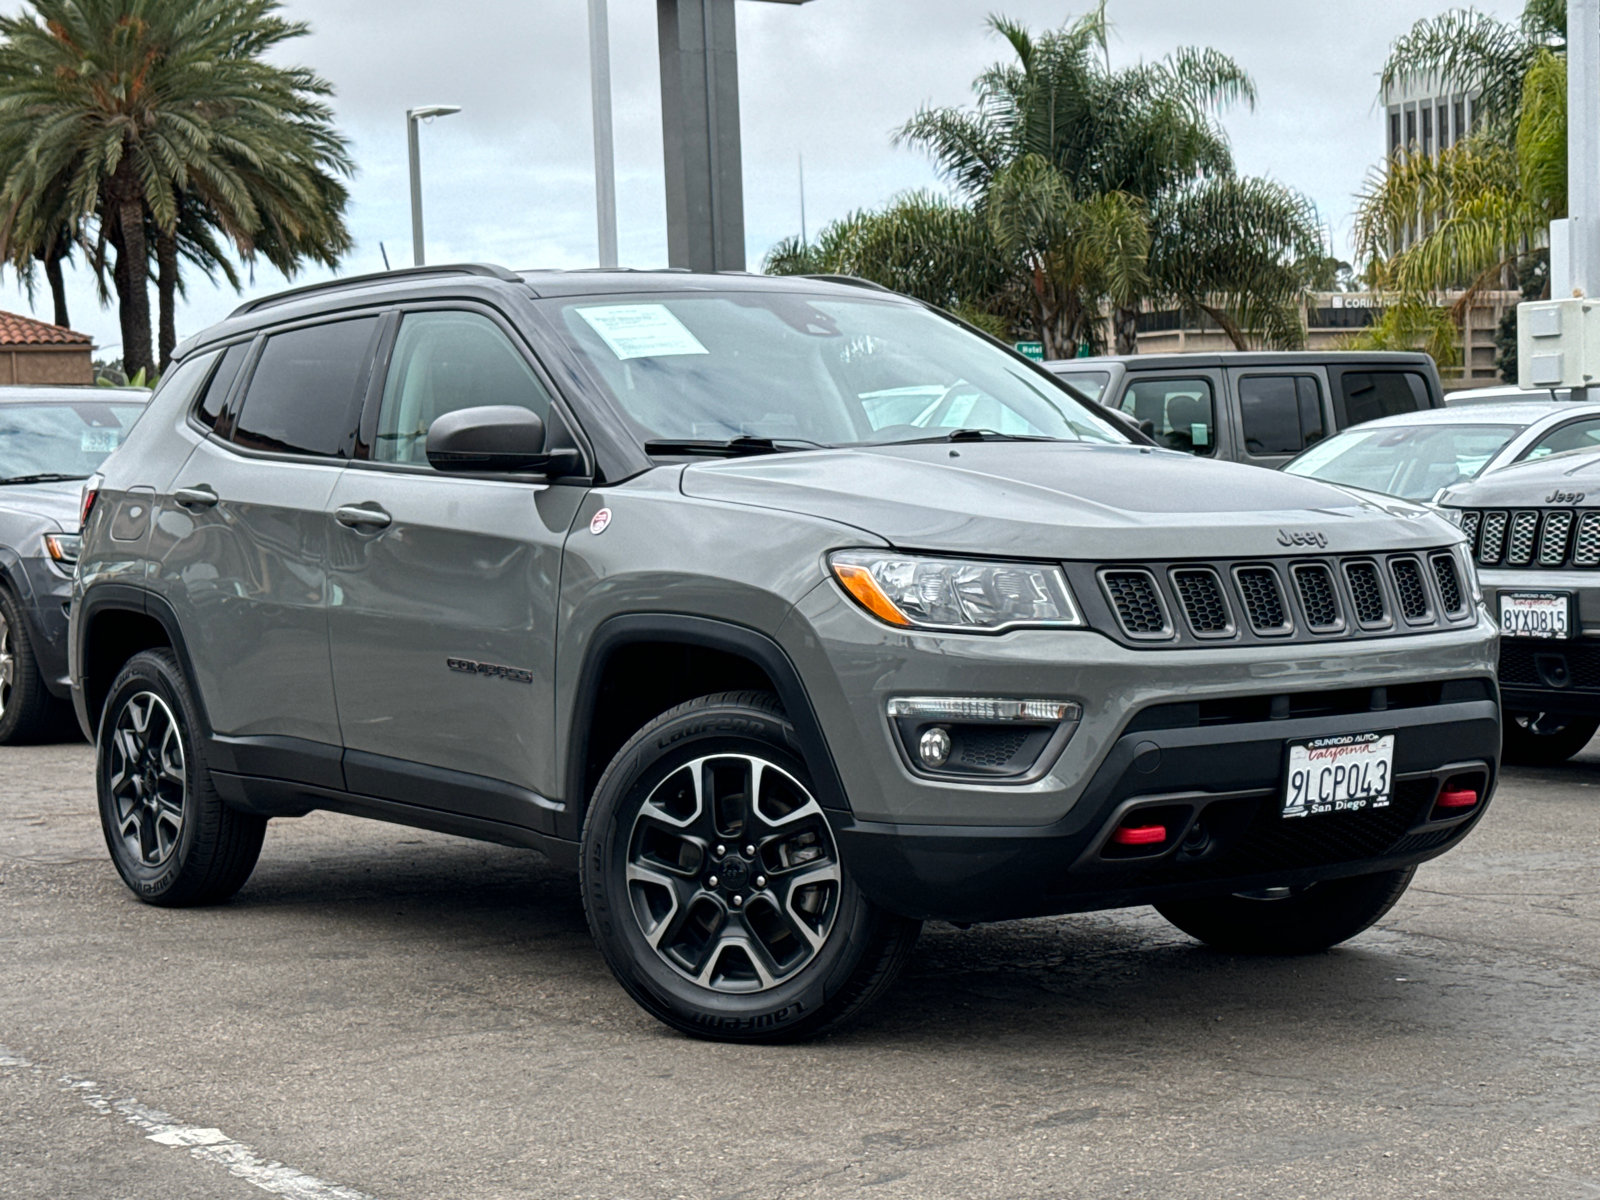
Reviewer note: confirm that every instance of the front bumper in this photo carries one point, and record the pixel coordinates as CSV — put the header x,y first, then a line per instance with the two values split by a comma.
x,y
1225,779
47,599
1560,676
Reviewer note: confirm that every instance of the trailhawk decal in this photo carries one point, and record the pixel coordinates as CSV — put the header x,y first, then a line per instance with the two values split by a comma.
x,y
468,667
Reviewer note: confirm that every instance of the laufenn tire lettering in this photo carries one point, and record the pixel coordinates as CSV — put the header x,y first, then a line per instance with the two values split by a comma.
x,y
468,666
765,1021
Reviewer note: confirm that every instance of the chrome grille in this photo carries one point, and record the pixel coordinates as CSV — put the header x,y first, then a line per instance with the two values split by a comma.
x,y
1553,538
1469,526
1410,587
1586,546
1138,603
1449,581
1493,541
1263,600
1319,596
1366,591
1519,546
1200,592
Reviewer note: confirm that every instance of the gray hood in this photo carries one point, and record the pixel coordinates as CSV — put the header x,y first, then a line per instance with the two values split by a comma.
x,y
1068,500
51,502
1564,480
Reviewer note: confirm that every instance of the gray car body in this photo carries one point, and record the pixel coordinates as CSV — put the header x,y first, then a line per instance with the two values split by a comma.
x,y
724,558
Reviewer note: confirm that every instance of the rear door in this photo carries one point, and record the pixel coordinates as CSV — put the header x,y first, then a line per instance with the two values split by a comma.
x,y
1277,412
244,557
444,587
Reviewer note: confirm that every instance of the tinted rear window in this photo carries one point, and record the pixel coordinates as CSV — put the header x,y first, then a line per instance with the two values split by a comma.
x,y
1369,395
305,391
221,383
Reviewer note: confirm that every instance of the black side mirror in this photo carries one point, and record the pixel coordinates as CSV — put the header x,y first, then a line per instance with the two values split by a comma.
x,y
495,437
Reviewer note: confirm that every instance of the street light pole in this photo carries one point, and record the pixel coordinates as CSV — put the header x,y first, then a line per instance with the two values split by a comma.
x,y
605,171
1583,145
413,115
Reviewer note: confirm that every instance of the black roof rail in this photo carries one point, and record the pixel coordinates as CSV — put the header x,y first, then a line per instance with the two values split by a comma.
x,y
852,281
486,270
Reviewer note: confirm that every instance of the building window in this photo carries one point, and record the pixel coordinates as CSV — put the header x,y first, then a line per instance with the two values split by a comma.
x,y
1461,125
1394,132
1411,127
1427,131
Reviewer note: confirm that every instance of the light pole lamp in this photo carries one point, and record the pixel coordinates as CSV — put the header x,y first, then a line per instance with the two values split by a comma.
x,y
413,115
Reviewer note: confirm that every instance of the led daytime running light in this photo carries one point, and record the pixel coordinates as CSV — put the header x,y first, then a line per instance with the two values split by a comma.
x,y
977,708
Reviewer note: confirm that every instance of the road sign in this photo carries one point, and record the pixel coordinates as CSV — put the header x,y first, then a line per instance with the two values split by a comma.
x,y
1033,350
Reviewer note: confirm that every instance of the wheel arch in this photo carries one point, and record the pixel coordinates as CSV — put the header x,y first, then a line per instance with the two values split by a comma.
x,y
114,622
721,656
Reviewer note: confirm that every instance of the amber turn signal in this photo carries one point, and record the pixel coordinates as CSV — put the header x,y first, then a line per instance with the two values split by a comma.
x,y
858,581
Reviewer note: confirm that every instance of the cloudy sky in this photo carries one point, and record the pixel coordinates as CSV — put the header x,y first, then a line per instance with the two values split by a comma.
x,y
509,179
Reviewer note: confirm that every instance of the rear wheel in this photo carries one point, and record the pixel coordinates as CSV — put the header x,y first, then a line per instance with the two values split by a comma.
x,y
1545,739
1290,920
172,839
713,885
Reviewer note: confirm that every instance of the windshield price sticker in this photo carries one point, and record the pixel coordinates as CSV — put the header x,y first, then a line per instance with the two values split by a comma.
x,y
641,330
1346,773
1536,614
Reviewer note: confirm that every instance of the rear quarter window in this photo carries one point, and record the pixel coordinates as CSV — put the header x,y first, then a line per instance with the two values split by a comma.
x,y
1369,395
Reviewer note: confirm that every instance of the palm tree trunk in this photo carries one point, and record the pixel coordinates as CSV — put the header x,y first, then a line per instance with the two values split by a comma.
x,y
1126,323
58,287
1229,326
167,292
133,273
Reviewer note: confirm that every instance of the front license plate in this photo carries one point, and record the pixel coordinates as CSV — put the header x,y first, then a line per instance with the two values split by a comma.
x,y
1536,614
1347,773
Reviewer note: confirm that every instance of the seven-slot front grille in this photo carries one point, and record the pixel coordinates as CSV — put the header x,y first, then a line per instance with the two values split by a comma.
x,y
1302,598
1540,538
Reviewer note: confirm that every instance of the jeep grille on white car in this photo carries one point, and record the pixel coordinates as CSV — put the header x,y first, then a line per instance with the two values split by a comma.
x,y
1547,538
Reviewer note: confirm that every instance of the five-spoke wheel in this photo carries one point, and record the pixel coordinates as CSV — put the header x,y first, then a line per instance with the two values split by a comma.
x,y
147,784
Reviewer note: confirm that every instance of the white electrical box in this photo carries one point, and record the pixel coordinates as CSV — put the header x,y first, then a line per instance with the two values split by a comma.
x,y
1558,343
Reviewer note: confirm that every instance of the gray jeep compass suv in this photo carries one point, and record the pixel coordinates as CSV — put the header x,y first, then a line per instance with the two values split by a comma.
x,y
675,579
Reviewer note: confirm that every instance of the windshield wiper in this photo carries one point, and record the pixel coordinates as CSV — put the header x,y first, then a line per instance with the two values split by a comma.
x,y
43,477
972,435
730,448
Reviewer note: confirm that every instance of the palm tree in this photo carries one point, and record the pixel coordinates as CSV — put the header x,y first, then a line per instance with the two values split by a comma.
x,y
157,119
1071,181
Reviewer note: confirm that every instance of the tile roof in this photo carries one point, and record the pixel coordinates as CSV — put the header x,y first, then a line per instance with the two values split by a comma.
x,y
17,330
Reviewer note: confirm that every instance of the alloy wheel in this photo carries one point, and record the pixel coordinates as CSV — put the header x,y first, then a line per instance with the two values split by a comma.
x,y
148,785
732,873
8,664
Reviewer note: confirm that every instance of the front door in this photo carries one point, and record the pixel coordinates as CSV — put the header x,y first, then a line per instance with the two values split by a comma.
x,y
443,588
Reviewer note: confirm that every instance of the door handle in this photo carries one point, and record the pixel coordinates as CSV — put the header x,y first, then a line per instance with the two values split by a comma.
x,y
357,516
195,497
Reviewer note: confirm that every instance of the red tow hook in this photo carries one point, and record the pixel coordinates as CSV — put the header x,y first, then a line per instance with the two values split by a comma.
x,y
1139,835
1460,798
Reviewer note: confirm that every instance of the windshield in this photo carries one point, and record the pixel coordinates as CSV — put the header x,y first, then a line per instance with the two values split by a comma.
x,y
61,439
811,370
1409,461
1091,383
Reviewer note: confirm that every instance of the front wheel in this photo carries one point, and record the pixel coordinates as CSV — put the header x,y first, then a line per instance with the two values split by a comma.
x,y
172,839
1290,920
1545,739
713,885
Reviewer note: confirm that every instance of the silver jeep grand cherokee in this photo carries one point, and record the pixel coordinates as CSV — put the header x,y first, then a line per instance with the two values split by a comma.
x,y
792,612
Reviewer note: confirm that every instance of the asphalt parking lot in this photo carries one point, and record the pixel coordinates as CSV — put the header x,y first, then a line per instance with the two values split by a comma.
x,y
405,1016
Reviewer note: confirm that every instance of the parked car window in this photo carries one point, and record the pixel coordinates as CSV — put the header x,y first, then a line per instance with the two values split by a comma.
x,y
305,391
1281,414
1181,411
1577,435
1410,461
444,361
1091,383
1369,395
812,369
62,439
216,391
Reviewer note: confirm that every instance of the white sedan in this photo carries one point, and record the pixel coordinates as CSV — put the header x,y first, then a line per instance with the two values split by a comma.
x,y
1416,455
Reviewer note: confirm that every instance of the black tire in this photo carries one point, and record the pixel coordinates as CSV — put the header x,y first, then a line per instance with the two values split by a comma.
x,y
172,839
28,712
1307,920
1545,739
760,977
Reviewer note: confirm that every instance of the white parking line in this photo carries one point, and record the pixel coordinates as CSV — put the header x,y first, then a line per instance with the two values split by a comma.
x,y
207,1145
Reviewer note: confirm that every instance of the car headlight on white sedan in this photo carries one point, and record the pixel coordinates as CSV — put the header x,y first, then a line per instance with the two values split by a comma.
x,y
956,594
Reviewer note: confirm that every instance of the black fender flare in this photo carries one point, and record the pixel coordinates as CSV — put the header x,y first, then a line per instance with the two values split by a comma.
x,y
712,634
98,598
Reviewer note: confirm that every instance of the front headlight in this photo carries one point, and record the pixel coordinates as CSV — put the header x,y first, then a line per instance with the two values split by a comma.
x,y
1470,570
63,547
1453,515
955,594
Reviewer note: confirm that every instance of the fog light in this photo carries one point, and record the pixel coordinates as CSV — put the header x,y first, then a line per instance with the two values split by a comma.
x,y
934,747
